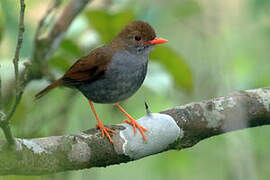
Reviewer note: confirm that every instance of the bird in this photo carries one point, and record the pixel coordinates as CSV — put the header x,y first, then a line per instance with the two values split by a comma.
x,y
112,73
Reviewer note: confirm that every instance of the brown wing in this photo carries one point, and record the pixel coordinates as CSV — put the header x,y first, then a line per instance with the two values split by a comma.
x,y
89,68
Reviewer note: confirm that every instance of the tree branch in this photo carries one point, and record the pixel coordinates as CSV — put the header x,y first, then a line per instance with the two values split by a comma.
x,y
176,128
4,124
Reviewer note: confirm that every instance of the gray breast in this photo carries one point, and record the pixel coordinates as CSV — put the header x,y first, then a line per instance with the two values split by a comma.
x,y
124,76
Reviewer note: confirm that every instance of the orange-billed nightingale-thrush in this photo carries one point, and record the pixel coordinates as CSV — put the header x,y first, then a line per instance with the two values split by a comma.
x,y
113,72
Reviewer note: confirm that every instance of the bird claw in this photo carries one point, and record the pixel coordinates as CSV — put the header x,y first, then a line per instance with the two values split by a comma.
x,y
105,131
136,125
133,122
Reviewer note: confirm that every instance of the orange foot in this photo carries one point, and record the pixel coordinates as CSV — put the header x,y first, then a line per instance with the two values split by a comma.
x,y
135,125
105,130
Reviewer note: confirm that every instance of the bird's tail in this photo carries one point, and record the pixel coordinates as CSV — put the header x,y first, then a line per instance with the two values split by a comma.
x,y
48,88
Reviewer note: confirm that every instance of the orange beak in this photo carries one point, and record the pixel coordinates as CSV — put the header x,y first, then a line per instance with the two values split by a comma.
x,y
156,41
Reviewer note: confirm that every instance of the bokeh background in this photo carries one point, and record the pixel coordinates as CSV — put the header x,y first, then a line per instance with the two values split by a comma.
x,y
215,47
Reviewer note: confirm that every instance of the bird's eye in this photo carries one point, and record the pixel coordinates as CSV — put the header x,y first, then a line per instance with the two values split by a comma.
x,y
138,38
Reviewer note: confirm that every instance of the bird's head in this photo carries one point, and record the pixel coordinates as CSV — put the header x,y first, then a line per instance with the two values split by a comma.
x,y
138,37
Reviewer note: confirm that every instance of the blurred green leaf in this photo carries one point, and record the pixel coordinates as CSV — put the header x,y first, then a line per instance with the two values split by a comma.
x,y
70,47
109,25
59,62
175,64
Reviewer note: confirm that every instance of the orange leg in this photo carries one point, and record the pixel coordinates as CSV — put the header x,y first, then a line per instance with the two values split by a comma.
x,y
102,128
133,123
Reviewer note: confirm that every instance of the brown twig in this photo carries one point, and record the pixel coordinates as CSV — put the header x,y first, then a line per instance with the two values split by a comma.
x,y
48,12
18,90
18,98
18,47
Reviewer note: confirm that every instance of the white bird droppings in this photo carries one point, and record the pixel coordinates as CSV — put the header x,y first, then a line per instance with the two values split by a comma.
x,y
162,131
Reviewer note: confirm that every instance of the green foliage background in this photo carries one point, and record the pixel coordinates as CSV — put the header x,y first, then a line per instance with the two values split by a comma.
x,y
214,48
